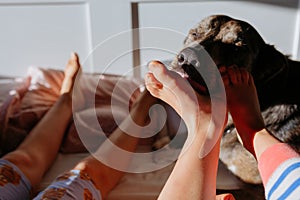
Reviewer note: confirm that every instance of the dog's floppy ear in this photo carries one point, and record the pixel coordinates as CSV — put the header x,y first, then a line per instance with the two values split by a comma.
x,y
269,65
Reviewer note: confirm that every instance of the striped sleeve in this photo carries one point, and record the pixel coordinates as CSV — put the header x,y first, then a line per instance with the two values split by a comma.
x,y
279,167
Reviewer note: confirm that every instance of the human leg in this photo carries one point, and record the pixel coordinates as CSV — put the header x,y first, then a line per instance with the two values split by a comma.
x,y
243,105
105,177
278,163
38,151
193,177
99,178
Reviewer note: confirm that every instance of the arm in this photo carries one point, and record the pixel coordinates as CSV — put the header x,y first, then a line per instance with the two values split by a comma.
x,y
279,166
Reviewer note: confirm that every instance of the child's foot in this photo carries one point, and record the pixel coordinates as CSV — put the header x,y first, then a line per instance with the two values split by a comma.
x,y
243,104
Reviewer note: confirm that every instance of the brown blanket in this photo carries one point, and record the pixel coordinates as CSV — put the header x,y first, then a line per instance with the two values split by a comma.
x,y
19,115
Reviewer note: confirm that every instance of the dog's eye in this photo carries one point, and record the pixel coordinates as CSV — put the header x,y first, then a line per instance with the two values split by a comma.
x,y
239,41
213,25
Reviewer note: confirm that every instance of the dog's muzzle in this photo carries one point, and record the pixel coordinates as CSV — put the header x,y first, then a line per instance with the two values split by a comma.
x,y
198,67
190,56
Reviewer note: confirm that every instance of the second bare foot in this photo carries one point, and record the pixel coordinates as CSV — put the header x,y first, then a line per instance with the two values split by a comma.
x,y
243,104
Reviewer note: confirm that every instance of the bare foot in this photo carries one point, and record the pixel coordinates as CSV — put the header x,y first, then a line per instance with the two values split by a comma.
x,y
205,118
170,87
142,106
71,70
243,105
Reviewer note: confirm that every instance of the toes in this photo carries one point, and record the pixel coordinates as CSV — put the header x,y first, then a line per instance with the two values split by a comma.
x,y
238,74
226,80
232,75
152,82
73,60
244,75
153,85
168,80
160,72
250,80
74,57
224,75
73,66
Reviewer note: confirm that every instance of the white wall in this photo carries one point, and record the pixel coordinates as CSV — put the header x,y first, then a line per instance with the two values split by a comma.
x,y
278,24
44,32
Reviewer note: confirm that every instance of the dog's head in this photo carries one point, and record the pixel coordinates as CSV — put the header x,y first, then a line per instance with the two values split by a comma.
x,y
229,42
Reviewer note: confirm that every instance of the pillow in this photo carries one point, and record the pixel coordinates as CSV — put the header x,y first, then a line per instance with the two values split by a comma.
x,y
19,115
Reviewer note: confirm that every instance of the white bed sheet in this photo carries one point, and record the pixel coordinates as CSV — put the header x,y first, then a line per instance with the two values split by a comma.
x,y
140,186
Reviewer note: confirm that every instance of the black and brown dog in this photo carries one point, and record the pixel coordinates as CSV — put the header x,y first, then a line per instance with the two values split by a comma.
x,y
230,42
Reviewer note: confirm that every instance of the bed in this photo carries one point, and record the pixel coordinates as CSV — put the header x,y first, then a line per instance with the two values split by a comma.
x,y
44,88
44,32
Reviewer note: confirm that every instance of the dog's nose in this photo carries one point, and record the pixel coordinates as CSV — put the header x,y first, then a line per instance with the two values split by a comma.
x,y
188,56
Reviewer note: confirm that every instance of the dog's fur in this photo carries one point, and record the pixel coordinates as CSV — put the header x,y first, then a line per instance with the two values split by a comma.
x,y
277,78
